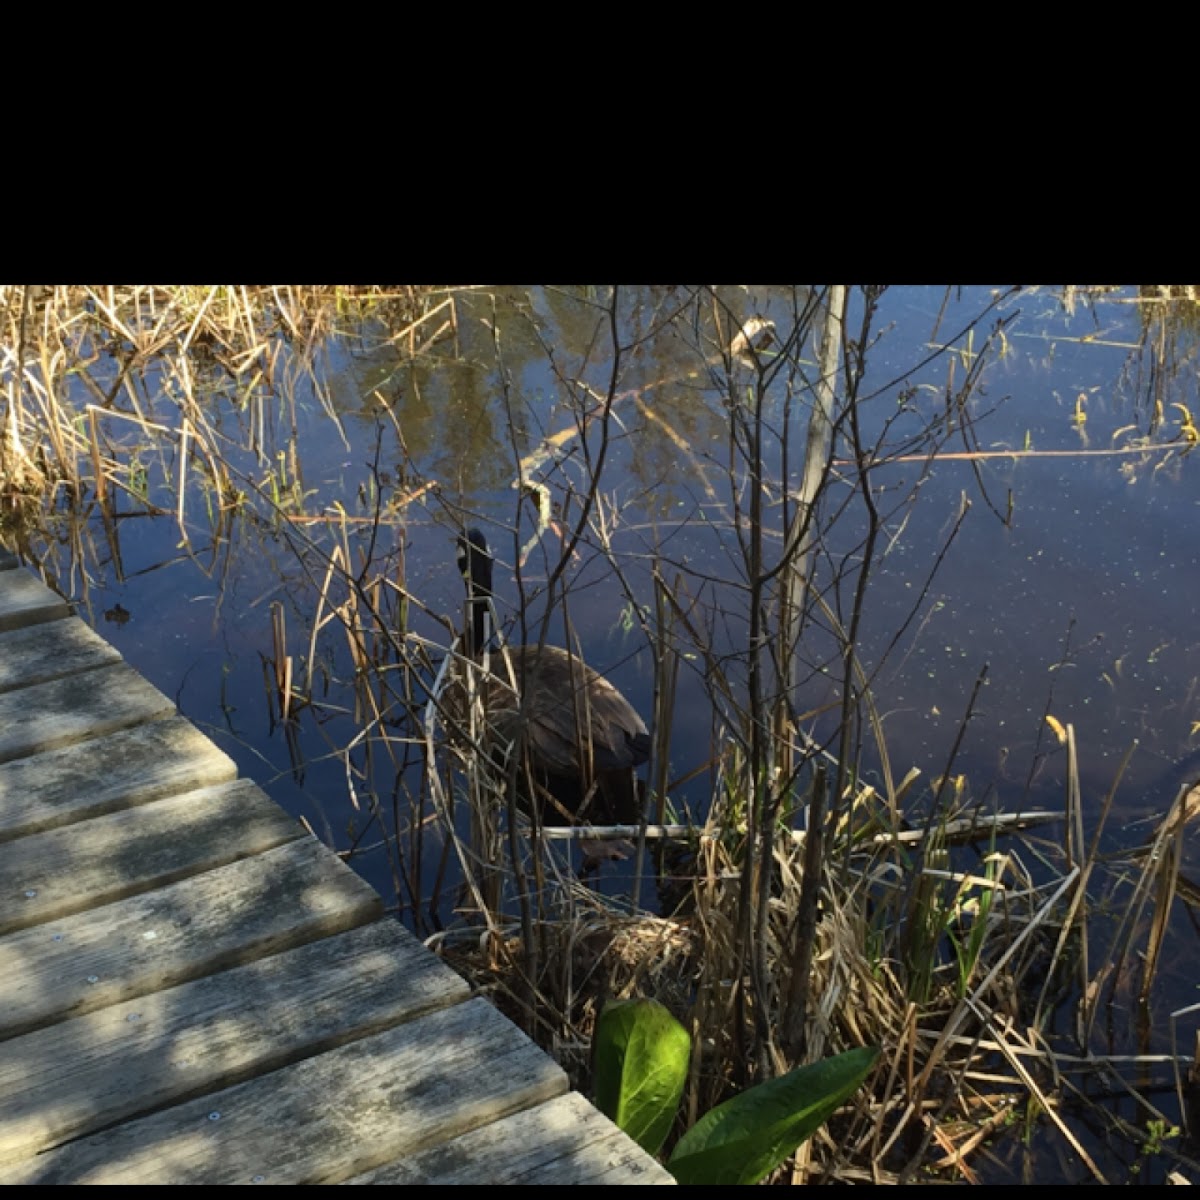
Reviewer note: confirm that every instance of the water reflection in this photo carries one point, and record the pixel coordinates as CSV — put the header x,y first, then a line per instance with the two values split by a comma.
x,y
1076,600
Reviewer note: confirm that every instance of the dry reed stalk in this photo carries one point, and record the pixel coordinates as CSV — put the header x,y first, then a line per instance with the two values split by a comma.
x,y
965,1009
1159,877
283,661
1076,916
1045,1103
477,857
1163,860
409,332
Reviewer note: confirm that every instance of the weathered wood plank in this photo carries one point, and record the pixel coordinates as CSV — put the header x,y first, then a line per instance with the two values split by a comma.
x,y
561,1143
192,990
50,651
50,875
258,906
328,1118
142,1055
27,601
62,711
133,766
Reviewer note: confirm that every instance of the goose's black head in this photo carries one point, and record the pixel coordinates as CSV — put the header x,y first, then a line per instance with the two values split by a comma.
x,y
475,563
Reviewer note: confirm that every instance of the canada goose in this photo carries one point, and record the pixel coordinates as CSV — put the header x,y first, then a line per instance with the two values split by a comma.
x,y
562,696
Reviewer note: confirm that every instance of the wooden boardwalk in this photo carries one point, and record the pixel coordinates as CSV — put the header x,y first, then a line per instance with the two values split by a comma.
x,y
195,990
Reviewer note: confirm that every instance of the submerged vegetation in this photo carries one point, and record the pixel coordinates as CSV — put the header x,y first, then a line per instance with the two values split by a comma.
x,y
798,890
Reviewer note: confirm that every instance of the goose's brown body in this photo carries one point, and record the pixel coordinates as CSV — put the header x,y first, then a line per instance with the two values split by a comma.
x,y
574,726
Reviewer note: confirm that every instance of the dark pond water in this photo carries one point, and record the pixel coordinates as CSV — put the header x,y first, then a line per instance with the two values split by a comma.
x,y
1081,604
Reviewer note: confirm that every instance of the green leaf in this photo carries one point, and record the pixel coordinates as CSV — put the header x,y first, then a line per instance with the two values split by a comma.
x,y
641,1066
746,1138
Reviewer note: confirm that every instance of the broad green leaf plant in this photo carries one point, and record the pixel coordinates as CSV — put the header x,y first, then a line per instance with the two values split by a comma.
x,y
641,1066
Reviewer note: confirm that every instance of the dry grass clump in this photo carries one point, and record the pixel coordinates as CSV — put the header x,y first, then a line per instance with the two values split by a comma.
x,y
147,356
22,483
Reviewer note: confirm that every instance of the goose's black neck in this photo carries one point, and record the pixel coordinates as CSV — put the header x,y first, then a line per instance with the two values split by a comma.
x,y
475,563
